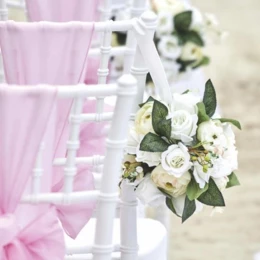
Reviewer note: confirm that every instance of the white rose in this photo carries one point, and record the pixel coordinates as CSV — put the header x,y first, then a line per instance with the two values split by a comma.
x,y
143,119
187,102
148,193
221,182
179,203
165,24
191,51
174,186
184,126
176,160
168,47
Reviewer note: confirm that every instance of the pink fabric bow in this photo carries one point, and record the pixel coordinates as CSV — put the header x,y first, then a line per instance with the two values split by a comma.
x,y
27,232
48,53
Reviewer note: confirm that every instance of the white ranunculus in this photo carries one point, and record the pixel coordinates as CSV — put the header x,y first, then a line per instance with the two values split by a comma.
x,y
179,203
143,119
176,160
165,23
168,47
172,185
191,51
148,193
172,6
184,126
221,182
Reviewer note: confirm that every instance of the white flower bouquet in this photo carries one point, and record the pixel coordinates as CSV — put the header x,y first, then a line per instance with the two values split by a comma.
x,y
182,34
181,153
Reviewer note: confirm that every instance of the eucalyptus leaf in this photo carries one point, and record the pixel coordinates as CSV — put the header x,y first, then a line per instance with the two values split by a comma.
x,y
231,121
233,180
153,143
194,191
209,98
189,209
182,21
213,196
202,115
170,206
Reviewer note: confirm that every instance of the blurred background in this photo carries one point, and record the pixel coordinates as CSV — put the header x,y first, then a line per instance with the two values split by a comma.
x,y
235,72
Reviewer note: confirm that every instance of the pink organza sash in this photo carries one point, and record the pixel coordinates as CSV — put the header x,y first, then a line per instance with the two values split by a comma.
x,y
52,53
24,116
63,11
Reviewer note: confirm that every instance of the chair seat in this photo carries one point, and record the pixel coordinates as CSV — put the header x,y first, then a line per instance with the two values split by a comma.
x,y
152,240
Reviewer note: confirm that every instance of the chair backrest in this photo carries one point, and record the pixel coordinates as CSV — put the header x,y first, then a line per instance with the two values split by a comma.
x,y
107,196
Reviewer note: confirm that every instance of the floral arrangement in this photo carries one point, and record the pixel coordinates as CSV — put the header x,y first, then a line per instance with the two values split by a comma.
x,y
181,153
181,36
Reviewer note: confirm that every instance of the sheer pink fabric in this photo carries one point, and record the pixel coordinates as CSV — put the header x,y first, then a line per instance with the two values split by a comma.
x,y
63,11
35,53
36,236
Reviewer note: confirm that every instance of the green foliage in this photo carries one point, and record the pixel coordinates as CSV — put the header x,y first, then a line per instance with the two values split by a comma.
x,y
209,99
148,100
194,191
233,180
189,209
182,21
231,121
170,206
213,196
160,125
202,115
153,143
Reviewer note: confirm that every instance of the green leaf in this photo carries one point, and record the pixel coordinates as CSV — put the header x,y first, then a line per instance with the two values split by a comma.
x,y
164,193
209,98
191,36
182,21
189,209
170,206
148,100
233,180
194,191
231,121
185,92
153,143
202,115
213,196
204,61
161,126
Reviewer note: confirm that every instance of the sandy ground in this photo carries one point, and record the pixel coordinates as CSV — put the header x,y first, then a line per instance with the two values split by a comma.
x,y
235,71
